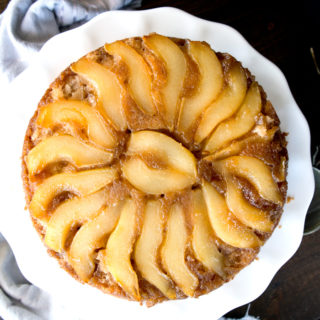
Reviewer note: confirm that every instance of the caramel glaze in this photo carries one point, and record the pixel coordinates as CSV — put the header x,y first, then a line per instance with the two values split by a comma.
x,y
71,86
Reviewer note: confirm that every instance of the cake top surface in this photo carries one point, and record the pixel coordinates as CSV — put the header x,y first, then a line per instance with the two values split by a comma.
x,y
155,168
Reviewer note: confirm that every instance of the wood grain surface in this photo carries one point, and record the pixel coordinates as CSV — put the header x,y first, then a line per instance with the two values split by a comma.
x,y
283,32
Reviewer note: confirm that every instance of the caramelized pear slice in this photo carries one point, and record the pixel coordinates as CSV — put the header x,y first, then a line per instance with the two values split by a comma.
x,y
258,173
244,212
140,76
172,153
154,181
203,242
173,252
225,105
80,183
71,214
108,88
175,170
211,82
92,236
116,257
176,67
224,224
73,115
65,148
237,146
146,250
239,125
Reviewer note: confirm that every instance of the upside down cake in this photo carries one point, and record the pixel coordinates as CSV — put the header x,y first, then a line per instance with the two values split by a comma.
x,y
154,168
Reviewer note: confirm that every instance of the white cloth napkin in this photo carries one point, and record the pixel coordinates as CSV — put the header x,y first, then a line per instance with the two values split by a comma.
x,y
24,27
27,24
18,298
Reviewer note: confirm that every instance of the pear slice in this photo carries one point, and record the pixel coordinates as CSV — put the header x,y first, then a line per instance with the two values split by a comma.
x,y
224,224
77,114
146,250
65,148
72,213
179,163
203,242
233,149
210,85
237,146
80,183
239,125
92,236
176,67
154,181
173,252
225,105
140,76
258,173
244,212
116,256
172,153
109,90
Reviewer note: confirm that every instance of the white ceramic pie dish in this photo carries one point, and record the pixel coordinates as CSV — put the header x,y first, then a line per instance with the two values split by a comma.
x,y
20,102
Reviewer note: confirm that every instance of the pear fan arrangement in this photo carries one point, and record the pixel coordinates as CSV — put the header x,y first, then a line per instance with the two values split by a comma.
x,y
115,179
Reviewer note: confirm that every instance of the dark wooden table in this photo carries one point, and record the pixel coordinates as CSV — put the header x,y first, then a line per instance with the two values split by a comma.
x,y
284,34
3,4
